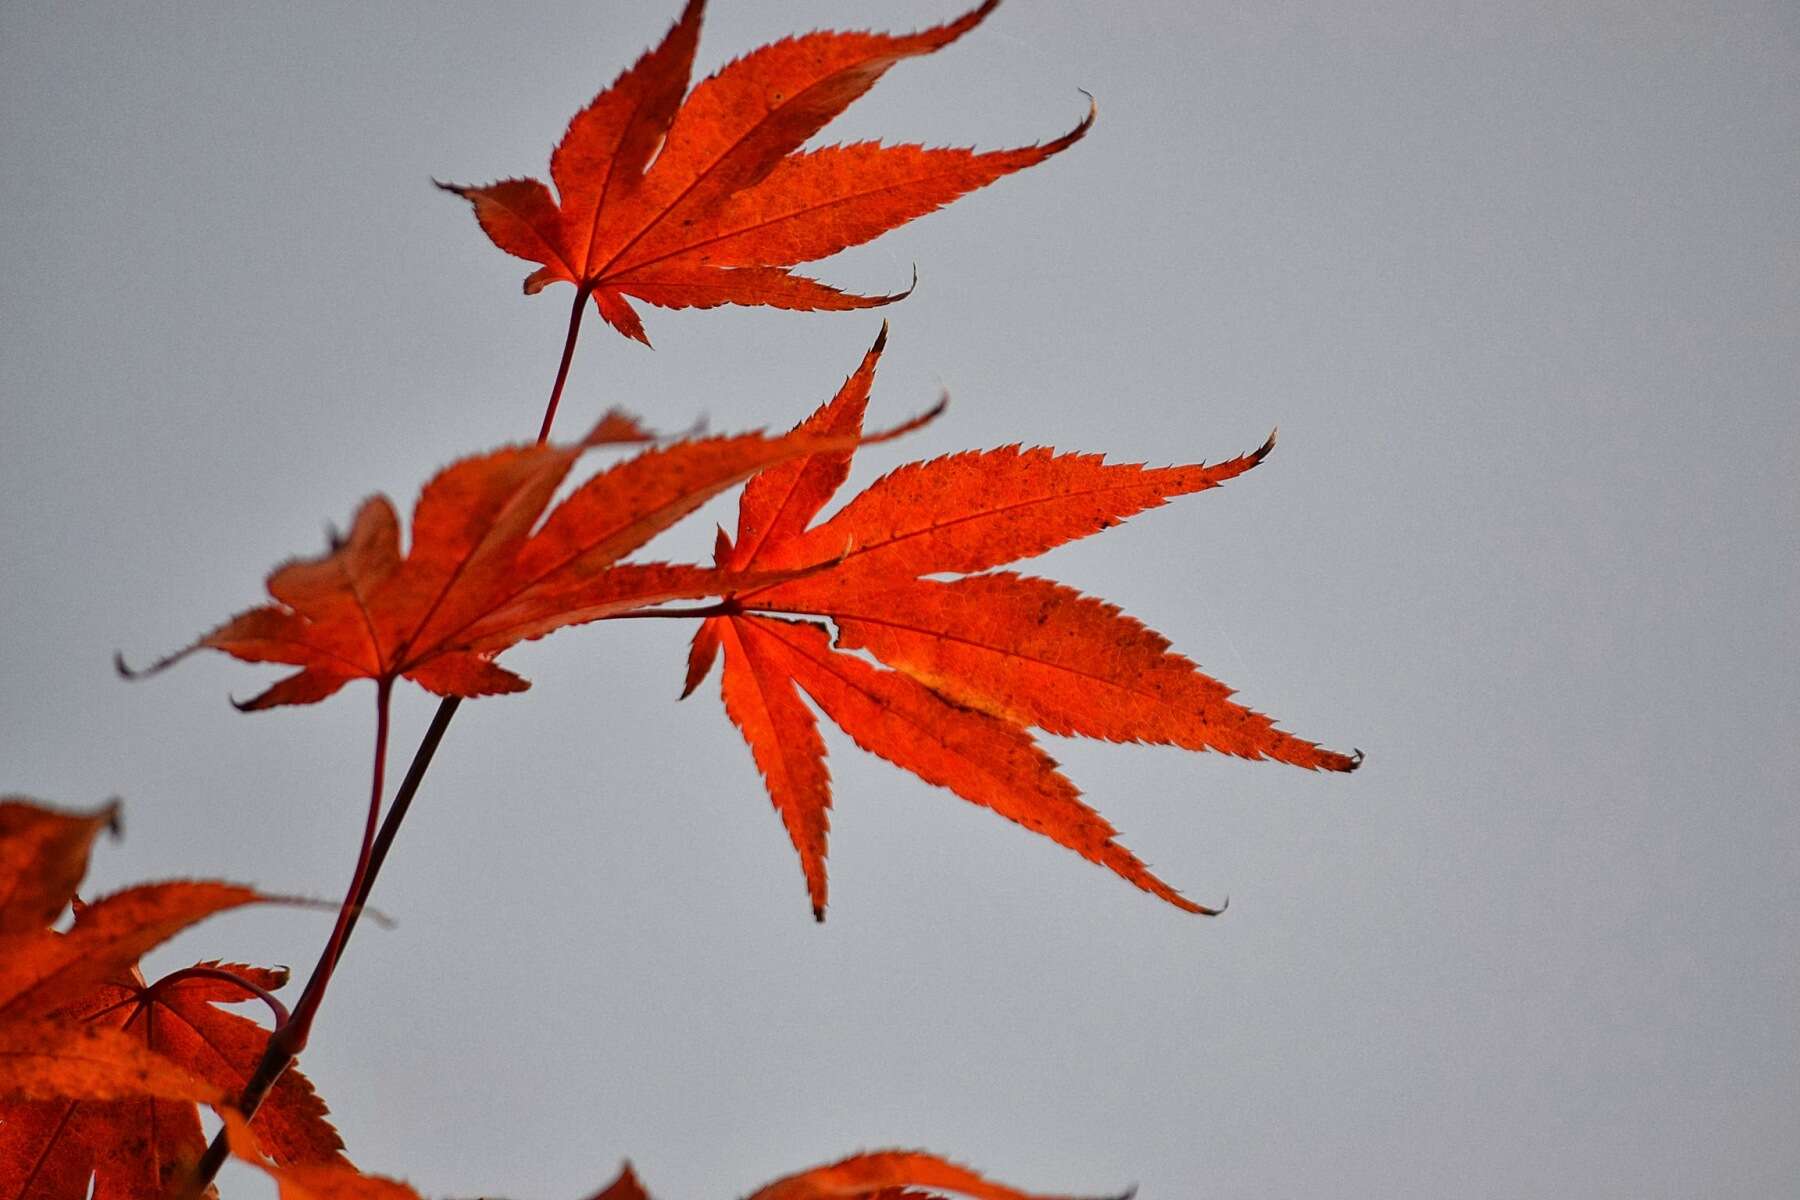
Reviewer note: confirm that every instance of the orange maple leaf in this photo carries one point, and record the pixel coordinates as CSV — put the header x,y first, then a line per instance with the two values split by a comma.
x,y
43,970
696,202
874,1175
103,1072
43,855
141,1145
481,574
890,1175
977,660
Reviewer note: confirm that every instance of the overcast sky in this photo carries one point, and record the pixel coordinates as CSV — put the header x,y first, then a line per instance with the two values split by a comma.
x,y
1519,285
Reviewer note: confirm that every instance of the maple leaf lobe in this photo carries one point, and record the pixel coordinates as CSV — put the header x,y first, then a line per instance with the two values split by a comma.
x,y
43,856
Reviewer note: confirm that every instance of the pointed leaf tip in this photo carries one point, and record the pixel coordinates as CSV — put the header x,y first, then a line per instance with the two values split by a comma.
x,y
625,1186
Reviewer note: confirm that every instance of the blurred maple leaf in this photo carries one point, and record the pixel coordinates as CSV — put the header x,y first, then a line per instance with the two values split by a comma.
x,y
977,660
103,1071
43,855
874,1175
702,201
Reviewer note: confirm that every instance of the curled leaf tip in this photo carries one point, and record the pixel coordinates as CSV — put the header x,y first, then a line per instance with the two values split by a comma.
x,y
1058,145
1087,122
381,919
127,671
919,422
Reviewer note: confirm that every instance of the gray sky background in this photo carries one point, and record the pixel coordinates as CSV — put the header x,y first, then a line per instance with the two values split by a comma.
x,y
1518,283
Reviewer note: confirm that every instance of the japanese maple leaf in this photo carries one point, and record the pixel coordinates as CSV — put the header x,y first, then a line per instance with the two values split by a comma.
x,y
482,574
141,1145
875,1175
976,661
696,202
43,971
43,855
102,1073
889,1175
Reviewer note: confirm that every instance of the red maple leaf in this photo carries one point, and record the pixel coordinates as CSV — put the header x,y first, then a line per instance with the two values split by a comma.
x,y
103,1071
141,1145
482,574
873,1175
976,661
706,200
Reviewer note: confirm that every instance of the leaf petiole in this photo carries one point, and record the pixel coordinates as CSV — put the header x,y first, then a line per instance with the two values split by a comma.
x,y
257,991
582,292
289,1037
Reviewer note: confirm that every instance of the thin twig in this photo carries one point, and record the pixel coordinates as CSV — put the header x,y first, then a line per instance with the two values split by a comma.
x,y
290,1033
409,787
252,990
289,1036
